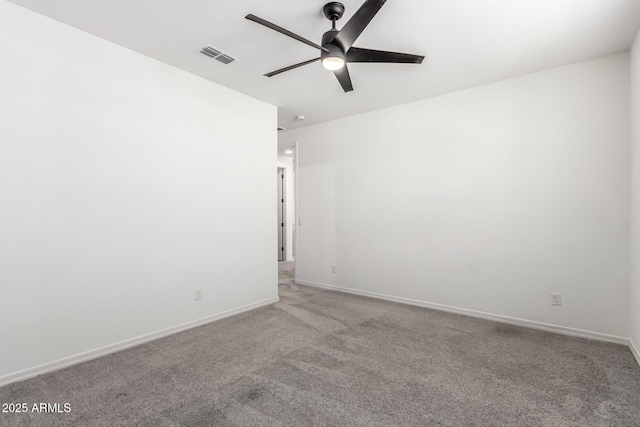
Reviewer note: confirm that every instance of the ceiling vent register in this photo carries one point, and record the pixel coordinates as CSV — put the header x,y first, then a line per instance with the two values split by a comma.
x,y
217,54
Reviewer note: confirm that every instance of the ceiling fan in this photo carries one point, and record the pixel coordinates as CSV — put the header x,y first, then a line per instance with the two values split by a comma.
x,y
337,45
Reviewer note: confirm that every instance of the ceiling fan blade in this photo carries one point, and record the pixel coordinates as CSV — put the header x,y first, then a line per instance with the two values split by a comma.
x,y
291,67
343,77
358,22
356,54
281,30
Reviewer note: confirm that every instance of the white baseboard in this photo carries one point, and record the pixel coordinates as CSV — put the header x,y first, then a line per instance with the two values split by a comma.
x,y
479,314
634,351
103,351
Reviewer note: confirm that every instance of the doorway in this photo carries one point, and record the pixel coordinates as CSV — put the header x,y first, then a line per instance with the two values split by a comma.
x,y
287,210
282,215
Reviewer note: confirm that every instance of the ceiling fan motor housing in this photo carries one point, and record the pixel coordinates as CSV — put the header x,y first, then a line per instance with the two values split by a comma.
x,y
333,10
333,49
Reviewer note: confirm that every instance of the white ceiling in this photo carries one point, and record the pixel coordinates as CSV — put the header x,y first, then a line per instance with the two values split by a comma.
x,y
466,43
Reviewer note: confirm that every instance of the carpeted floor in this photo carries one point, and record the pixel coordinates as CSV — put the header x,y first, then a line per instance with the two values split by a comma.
x,y
330,359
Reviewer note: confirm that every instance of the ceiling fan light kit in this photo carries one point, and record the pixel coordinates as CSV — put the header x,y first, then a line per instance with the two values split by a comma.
x,y
333,63
337,45
333,60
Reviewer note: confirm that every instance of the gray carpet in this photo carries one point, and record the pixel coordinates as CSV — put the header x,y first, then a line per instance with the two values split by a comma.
x,y
330,359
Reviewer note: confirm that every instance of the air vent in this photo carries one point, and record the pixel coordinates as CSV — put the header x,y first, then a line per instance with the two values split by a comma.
x,y
225,59
211,52
217,54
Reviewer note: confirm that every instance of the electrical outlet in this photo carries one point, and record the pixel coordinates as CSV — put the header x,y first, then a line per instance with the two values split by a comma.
x,y
333,268
556,299
198,294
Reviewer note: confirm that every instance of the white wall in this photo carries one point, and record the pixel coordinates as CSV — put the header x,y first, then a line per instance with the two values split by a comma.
x,y
290,176
634,299
124,185
487,199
